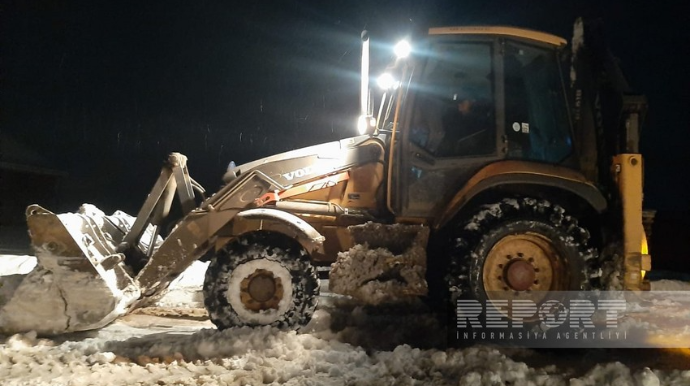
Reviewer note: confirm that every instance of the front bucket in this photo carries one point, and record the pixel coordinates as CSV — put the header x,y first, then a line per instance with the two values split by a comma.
x,y
79,282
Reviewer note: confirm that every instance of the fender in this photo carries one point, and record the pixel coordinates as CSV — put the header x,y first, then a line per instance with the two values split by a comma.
x,y
278,221
506,173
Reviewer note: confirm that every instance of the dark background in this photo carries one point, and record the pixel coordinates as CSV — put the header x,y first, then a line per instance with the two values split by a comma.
x,y
104,90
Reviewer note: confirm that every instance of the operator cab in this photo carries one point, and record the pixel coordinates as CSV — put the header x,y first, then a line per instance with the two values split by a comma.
x,y
474,96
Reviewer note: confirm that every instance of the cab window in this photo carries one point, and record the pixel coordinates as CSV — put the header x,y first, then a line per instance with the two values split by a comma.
x,y
536,120
454,109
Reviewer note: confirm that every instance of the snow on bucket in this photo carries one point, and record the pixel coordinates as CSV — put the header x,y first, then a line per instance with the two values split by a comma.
x,y
79,282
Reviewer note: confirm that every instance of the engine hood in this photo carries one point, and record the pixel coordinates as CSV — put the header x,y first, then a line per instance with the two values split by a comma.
x,y
300,164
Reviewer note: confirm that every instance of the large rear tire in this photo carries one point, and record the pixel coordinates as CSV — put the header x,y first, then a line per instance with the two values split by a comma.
x,y
516,247
261,279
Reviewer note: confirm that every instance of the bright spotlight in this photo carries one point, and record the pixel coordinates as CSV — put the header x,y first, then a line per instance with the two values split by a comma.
x,y
402,49
366,124
386,81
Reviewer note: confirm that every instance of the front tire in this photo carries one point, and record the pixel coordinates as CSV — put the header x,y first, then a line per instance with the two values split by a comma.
x,y
261,279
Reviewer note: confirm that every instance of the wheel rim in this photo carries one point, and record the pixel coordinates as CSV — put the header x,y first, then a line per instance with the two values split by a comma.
x,y
524,266
260,291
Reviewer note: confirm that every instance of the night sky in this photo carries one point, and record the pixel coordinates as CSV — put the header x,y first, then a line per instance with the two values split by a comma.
x,y
104,90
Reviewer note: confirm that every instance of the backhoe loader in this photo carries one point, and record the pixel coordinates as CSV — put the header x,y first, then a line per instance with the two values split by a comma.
x,y
498,160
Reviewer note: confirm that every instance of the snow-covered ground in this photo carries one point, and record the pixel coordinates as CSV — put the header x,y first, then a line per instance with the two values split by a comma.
x,y
264,356
345,344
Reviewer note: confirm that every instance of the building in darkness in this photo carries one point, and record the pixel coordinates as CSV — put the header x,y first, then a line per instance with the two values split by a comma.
x,y
26,178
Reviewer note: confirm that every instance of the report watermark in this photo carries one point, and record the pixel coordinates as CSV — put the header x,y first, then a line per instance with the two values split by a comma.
x,y
604,319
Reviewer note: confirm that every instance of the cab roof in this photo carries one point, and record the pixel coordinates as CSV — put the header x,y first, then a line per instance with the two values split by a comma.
x,y
501,30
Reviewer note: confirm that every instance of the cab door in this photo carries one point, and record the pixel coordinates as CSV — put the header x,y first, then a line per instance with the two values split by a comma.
x,y
451,127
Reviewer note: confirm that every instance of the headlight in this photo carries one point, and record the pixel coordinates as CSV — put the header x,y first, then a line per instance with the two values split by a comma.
x,y
387,82
366,124
402,49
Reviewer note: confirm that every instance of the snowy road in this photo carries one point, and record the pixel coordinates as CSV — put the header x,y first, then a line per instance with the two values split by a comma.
x,y
345,344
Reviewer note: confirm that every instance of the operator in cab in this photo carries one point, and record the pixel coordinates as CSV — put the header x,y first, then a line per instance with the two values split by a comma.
x,y
466,124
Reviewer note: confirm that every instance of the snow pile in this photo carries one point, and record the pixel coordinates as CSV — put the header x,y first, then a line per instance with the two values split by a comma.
x,y
76,255
387,264
185,291
51,298
16,264
670,285
617,373
360,272
39,298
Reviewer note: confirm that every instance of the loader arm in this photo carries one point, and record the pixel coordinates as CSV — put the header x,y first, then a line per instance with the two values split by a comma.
x,y
193,236
86,249
197,232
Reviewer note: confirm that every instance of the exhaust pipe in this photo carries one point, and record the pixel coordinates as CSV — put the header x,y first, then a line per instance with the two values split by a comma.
x,y
366,124
364,92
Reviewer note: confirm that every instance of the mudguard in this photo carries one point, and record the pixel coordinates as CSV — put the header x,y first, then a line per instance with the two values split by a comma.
x,y
265,219
506,173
